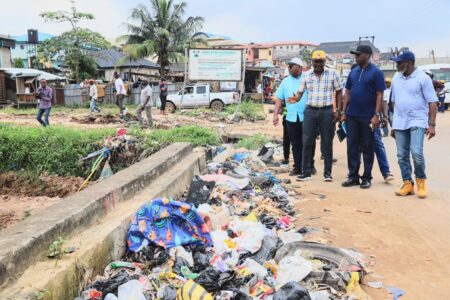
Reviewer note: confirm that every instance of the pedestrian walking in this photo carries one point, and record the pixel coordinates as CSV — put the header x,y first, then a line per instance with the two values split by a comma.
x,y
93,95
146,104
386,97
441,96
362,112
320,84
120,92
163,95
415,109
45,95
294,111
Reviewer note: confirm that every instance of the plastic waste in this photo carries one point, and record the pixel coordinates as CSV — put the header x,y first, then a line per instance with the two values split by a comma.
x,y
209,280
219,237
250,235
166,292
320,295
199,191
396,292
92,294
188,273
269,247
201,261
289,236
375,284
292,291
293,268
266,153
125,264
111,297
227,181
111,285
181,252
251,217
193,291
106,171
255,268
261,290
179,264
132,290
354,289
239,157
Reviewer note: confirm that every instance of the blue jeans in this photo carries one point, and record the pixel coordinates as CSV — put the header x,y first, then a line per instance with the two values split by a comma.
x,y
442,101
360,139
380,153
410,143
41,111
93,105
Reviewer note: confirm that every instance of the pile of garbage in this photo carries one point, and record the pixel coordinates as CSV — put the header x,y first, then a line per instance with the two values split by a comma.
x,y
232,235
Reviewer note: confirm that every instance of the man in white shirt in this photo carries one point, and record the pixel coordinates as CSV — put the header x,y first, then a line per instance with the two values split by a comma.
x,y
120,92
93,95
146,104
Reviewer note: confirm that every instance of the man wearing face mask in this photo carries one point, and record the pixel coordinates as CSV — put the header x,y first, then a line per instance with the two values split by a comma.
x,y
321,85
362,113
294,111
415,108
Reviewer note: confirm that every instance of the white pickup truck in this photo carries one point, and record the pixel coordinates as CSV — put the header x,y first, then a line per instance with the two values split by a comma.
x,y
200,95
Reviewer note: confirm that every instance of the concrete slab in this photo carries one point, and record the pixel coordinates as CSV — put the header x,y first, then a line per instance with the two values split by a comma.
x,y
100,244
26,242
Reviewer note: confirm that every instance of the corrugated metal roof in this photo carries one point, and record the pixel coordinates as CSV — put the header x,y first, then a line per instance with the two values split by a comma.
x,y
22,72
107,59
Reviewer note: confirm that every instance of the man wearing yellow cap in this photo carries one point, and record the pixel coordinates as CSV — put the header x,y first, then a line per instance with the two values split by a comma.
x,y
321,84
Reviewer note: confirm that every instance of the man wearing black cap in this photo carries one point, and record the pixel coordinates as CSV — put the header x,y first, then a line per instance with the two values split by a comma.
x,y
362,113
415,108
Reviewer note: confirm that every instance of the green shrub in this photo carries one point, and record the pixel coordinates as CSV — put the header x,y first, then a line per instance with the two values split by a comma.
x,y
198,136
55,149
253,143
248,110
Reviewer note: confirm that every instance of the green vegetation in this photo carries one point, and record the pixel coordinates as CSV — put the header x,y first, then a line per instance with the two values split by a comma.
x,y
56,150
18,63
106,109
248,110
56,248
253,143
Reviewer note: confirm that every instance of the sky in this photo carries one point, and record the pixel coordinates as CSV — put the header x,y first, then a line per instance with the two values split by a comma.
x,y
421,25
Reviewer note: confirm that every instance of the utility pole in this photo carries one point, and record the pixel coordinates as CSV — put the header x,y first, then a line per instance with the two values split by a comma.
x,y
367,37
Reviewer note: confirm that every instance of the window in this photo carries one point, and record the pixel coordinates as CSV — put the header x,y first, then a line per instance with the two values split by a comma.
x,y
256,53
22,47
270,52
189,90
201,90
281,47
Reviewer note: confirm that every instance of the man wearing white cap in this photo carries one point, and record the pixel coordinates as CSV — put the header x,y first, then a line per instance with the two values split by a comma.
x,y
294,111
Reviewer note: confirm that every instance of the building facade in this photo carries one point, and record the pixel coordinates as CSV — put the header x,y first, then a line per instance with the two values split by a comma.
x,y
6,43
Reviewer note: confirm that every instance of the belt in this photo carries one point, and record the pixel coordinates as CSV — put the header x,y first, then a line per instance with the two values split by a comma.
x,y
319,107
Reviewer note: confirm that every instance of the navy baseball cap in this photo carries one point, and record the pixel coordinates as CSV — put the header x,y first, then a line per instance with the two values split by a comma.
x,y
404,55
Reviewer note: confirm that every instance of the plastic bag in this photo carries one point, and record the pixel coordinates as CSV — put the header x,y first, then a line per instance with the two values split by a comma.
x,y
106,171
218,237
289,236
179,263
293,268
250,235
111,285
201,261
209,280
354,290
269,247
166,292
199,191
132,290
193,291
181,252
292,291
255,268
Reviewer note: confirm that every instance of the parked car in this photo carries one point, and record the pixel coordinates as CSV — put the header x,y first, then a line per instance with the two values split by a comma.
x,y
200,95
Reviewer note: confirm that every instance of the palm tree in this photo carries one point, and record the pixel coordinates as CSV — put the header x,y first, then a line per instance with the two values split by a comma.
x,y
160,32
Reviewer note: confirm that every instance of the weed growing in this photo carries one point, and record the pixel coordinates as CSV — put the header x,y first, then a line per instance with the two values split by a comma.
x,y
253,143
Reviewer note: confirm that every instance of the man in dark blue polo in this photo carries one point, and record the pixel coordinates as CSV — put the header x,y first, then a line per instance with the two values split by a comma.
x,y
362,113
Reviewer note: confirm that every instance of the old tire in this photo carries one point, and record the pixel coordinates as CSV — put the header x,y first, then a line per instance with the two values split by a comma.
x,y
217,105
170,107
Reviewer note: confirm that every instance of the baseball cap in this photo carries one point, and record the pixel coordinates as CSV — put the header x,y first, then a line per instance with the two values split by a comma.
x,y
296,61
404,55
442,81
388,79
319,55
362,49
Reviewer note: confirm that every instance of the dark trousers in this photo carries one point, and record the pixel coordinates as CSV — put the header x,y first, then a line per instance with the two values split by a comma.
x,y
163,99
286,141
119,102
41,112
322,119
360,139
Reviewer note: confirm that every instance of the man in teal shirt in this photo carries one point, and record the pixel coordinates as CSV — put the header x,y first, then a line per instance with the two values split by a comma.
x,y
294,111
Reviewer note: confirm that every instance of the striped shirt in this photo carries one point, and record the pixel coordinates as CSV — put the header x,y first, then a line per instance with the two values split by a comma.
x,y
320,88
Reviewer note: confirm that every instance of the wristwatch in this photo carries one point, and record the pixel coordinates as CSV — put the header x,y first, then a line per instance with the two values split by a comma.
x,y
432,124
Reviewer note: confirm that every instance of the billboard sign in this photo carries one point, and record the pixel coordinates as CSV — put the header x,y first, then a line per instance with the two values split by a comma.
x,y
215,65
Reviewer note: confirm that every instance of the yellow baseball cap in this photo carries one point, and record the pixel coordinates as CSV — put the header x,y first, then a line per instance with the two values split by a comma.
x,y
319,55
388,79
442,81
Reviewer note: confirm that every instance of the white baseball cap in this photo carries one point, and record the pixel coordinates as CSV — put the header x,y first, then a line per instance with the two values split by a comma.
x,y
296,61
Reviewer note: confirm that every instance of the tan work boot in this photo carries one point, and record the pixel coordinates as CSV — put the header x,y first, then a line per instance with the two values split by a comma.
x,y
421,189
406,189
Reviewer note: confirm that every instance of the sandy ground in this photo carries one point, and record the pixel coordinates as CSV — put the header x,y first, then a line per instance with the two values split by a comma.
x,y
406,241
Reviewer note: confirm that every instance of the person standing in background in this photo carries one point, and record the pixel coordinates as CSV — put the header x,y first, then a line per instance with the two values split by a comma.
x,y
93,95
120,92
163,95
146,104
45,95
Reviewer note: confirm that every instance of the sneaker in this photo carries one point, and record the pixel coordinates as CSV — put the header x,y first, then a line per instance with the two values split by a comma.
x,y
295,173
350,182
328,178
365,184
388,177
313,171
304,177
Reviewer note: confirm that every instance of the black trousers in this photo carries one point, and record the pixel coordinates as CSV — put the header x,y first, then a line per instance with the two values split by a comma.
x,y
295,130
360,139
318,119
286,141
163,99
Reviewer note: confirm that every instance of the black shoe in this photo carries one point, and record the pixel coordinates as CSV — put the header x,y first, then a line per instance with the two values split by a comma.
x,y
365,184
328,178
304,177
350,182
295,173
313,171
334,160
285,162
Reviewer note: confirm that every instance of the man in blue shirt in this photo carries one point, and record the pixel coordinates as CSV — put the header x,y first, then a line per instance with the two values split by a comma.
x,y
415,109
362,114
294,111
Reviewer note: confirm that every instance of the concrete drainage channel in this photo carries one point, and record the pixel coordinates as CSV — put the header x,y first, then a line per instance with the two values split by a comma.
x,y
94,220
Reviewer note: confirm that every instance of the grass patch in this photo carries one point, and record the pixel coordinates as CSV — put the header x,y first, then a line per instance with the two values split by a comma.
x,y
253,143
106,108
248,110
54,149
